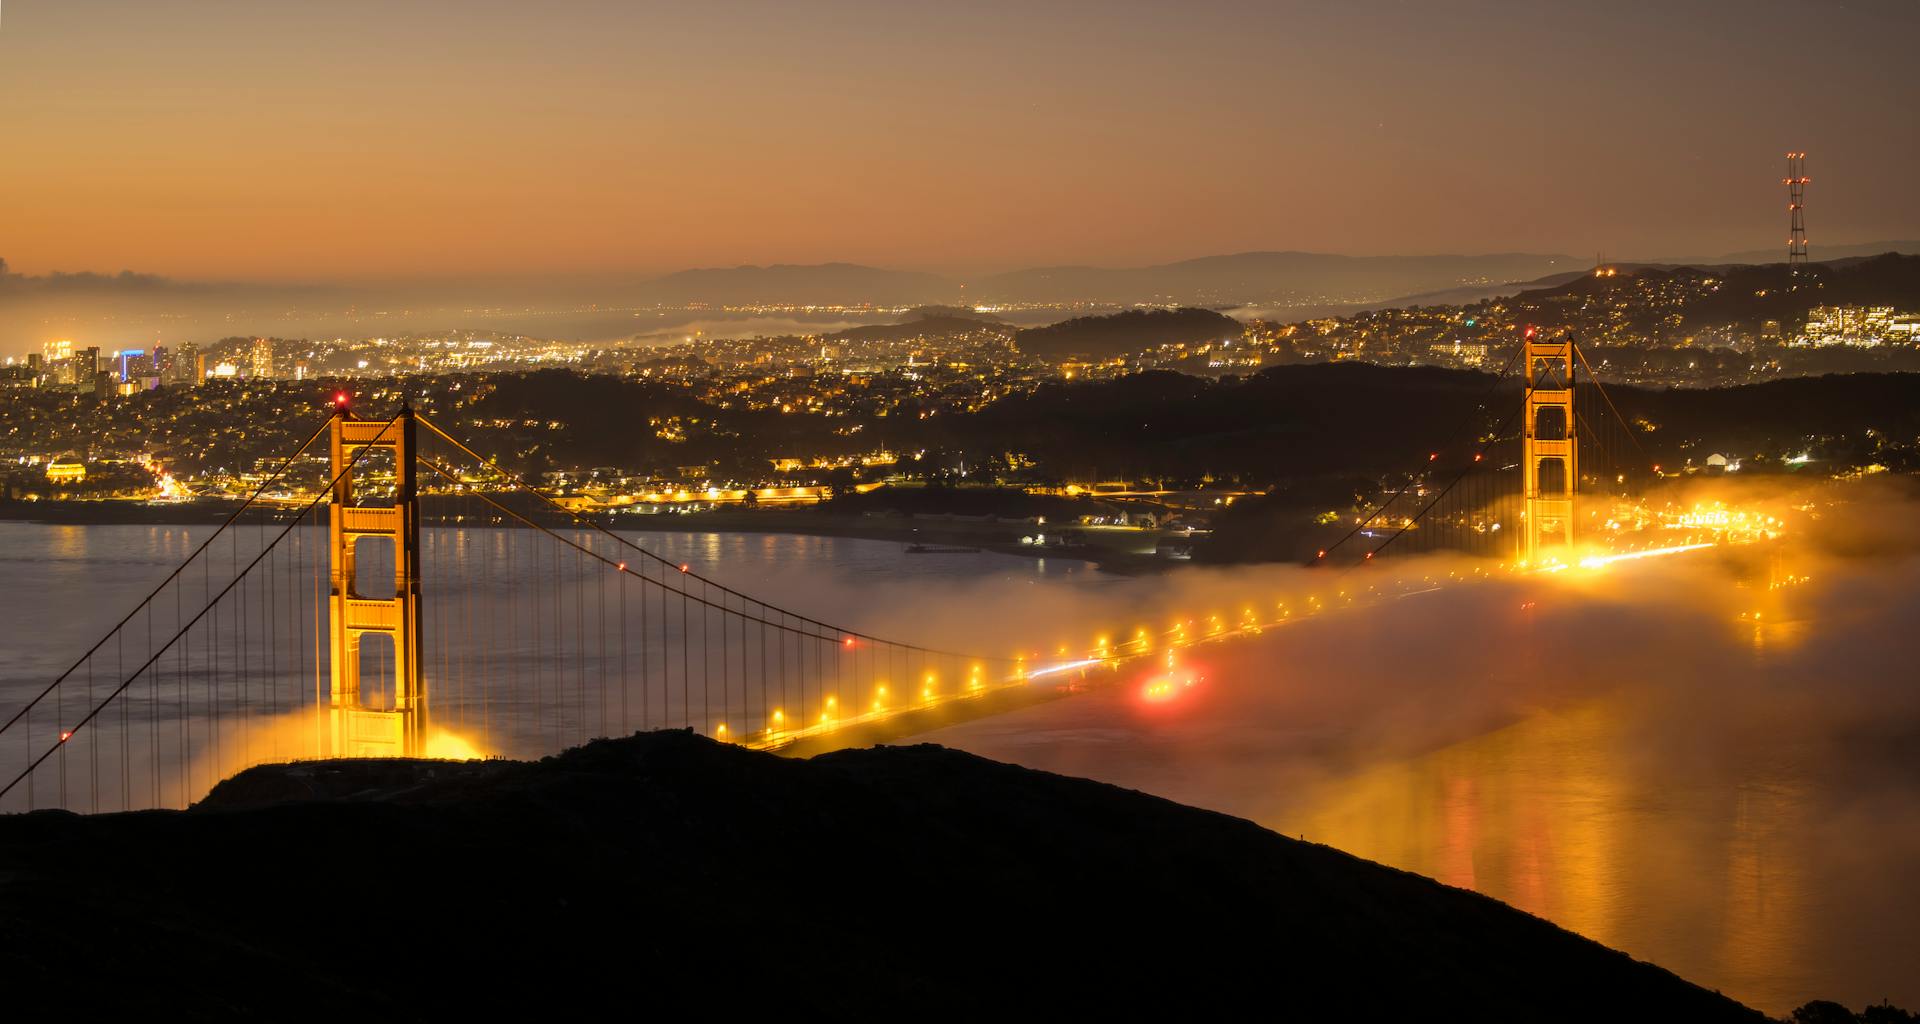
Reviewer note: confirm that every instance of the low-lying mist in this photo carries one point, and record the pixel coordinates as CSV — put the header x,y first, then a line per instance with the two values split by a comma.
x,y
1705,759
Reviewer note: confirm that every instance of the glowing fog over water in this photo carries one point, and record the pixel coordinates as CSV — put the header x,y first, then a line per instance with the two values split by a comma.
x,y
1707,762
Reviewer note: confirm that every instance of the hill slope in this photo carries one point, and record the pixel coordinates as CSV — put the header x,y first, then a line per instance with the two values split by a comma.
x,y
1101,337
1656,302
669,872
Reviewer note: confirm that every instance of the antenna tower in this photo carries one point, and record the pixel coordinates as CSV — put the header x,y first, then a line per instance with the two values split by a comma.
x,y
1796,182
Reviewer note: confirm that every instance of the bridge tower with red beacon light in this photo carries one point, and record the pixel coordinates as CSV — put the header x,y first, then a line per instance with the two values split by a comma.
x,y
1550,457
362,724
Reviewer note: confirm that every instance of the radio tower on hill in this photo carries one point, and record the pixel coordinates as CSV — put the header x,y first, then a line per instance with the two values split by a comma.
x,y
1796,182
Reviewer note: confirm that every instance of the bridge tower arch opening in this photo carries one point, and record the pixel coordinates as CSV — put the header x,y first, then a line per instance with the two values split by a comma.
x,y
1549,460
393,724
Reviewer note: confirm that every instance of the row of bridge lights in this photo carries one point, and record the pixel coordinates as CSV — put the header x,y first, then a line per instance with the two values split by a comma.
x,y
1180,633
830,714
1104,651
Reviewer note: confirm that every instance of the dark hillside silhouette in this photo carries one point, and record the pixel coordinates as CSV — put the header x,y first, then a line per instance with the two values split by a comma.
x,y
669,872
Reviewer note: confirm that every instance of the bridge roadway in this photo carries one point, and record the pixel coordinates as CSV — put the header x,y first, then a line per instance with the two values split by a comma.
x,y
1148,661
1131,663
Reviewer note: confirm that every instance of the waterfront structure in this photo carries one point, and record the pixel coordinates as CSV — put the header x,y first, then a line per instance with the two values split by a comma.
x,y
356,728
1549,457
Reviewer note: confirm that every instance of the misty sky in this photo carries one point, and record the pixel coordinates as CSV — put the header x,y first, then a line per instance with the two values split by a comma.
x,y
272,139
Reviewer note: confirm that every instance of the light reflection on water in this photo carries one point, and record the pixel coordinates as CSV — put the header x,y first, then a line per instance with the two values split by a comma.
x,y
1728,799
1551,816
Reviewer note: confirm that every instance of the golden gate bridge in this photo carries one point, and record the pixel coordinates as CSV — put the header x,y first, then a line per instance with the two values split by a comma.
x,y
427,602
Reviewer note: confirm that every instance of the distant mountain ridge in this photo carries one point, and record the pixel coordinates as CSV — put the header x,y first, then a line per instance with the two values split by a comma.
x,y
1232,279
1815,253
112,308
798,284
1291,284
1256,277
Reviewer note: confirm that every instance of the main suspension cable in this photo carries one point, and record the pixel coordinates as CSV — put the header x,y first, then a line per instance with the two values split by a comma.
x,y
212,603
684,570
102,642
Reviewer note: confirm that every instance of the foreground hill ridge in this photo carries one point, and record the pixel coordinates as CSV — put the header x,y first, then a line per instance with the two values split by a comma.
x,y
666,869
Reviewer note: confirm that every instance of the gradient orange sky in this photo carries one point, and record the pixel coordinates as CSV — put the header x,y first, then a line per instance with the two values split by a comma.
x,y
350,139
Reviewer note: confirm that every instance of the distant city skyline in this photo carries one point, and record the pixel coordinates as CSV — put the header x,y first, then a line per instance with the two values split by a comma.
x,y
361,141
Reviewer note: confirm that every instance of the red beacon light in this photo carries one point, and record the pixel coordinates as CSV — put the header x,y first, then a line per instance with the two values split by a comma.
x,y
341,399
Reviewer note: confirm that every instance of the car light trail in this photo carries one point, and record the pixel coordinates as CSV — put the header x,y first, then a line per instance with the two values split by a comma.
x,y
1598,561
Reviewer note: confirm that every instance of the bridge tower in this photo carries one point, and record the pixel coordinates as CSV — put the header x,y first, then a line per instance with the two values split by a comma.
x,y
1550,453
394,729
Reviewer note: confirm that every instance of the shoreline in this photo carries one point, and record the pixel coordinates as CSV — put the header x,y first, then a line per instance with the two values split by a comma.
x,y
996,537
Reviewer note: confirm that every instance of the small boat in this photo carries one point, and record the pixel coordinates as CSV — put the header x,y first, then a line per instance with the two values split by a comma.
x,y
928,549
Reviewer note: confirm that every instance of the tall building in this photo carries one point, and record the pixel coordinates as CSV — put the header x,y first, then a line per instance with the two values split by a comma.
x,y
57,351
188,364
262,367
130,364
83,367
